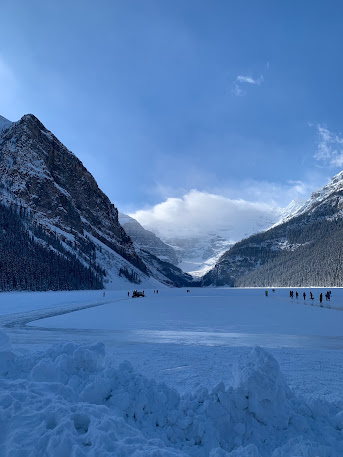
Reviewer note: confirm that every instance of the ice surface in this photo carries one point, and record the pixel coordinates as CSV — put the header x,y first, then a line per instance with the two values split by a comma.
x,y
217,400
221,314
5,343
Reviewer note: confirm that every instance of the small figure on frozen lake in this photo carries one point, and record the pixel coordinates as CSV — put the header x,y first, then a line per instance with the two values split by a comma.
x,y
296,294
266,293
304,295
321,297
311,296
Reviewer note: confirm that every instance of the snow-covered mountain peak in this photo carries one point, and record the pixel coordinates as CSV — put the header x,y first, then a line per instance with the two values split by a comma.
x,y
4,123
319,196
337,179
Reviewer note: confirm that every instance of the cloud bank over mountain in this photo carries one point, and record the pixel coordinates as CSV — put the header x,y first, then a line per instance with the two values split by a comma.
x,y
197,213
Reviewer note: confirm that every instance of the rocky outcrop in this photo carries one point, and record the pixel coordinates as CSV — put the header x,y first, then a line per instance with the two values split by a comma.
x,y
40,172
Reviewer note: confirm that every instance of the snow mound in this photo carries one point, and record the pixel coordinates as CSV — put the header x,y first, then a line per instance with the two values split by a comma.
x,y
72,400
259,380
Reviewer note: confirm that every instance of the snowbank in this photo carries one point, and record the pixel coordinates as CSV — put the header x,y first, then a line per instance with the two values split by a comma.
x,y
72,400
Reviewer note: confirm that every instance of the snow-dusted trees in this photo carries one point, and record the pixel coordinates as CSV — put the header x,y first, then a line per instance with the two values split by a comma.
x,y
32,259
306,251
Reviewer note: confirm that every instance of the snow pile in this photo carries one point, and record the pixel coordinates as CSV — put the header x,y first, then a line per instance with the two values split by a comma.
x,y
260,381
72,400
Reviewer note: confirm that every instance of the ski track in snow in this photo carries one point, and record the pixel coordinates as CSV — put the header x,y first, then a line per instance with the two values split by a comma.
x,y
23,318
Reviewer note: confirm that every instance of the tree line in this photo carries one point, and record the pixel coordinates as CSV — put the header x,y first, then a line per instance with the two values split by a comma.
x,y
33,259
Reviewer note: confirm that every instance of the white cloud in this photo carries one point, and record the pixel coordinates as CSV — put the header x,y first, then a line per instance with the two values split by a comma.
x,y
196,214
329,147
245,79
249,79
233,213
237,90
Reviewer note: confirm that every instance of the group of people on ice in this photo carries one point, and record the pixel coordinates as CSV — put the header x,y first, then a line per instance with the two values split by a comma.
x,y
291,294
327,295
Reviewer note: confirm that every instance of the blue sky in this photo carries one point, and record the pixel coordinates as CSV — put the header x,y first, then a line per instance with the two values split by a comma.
x,y
238,99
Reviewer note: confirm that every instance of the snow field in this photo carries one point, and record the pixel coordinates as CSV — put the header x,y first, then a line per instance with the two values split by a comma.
x,y
69,400
82,399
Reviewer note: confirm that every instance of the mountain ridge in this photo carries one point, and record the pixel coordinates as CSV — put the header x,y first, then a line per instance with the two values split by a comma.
x,y
38,173
303,250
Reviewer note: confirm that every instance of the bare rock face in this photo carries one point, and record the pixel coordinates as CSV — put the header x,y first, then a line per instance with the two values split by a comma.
x,y
38,172
63,209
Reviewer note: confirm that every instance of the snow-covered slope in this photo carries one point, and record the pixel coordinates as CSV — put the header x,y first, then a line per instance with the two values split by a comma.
x,y
304,249
4,123
197,255
146,240
199,250
326,195
39,174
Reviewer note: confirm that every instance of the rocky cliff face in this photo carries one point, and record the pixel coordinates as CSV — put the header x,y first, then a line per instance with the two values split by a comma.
x,y
49,185
38,173
305,249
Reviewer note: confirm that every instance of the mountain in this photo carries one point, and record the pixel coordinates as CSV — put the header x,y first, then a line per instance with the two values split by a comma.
x,y
160,258
199,249
168,273
48,187
305,249
197,255
4,123
146,240
32,259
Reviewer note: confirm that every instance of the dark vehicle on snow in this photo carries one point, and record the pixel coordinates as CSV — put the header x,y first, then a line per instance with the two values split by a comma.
x,y
137,293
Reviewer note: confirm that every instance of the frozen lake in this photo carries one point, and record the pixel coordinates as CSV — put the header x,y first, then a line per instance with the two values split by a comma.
x,y
182,338
211,317
197,342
